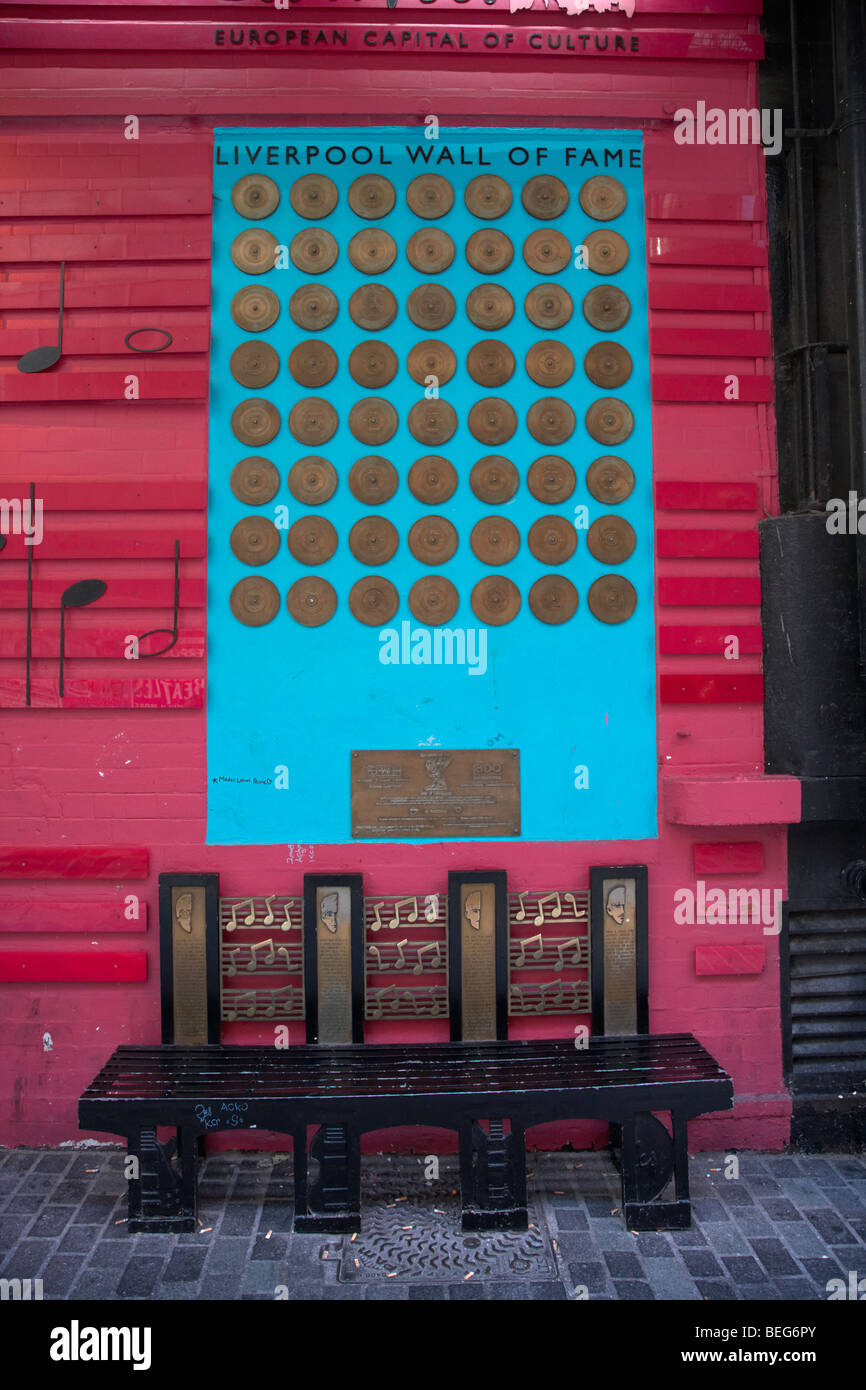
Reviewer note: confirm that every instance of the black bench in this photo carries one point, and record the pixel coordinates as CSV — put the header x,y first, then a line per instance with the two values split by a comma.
x,y
351,1089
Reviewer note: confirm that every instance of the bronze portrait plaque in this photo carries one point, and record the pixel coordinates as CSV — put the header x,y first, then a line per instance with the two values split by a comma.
x,y
478,961
334,964
620,955
189,964
435,793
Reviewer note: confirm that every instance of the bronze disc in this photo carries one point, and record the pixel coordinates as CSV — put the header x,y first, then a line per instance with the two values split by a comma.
x,y
373,364
254,481
255,600
311,600
312,480
550,363
313,250
547,251
492,420
489,251
489,307
494,540
372,307
553,598
612,598
253,251
611,539
433,599
488,196
609,420
373,420
610,480
432,422
431,358
552,539
313,420
545,197
495,600
373,540
490,363
313,307
548,306
432,540
430,196
430,250
602,198
373,600
254,364
254,540
431,306
372,196
551,479
607,251
312,540
373,480
255,421
372,251
494,479
550,420
255,196
313,363
313,196
607,365
606,308
432,479
255,308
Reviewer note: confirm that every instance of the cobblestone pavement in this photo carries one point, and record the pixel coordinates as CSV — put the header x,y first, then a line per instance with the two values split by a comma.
x,y
779,1231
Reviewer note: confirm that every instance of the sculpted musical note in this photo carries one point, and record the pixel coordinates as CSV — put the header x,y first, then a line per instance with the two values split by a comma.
x,y
231,952
520,916
376,1010
536,954
272,1004
169,632
542,991
268,920
252,964
237,1000
284,952
425,950
557,911
518,990
431,907
578,912
378,924
287,924
236,907
402,902
79,595
374,951
400,962
40,358
563,946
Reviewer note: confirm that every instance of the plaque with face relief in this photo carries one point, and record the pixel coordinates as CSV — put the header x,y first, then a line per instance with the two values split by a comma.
x,y
334,957
478,955
619,949
189,947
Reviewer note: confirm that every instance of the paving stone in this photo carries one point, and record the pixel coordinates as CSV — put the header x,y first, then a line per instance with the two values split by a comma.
x,y
851,1168
140,1276
51,1221
273,1249
110,1254
462,1291
780,1209
799,1290
707,1209
830,1227
593,1274
76,1239
277,1216
95,1210
185,1266
228,1253
12,1228
623,1265
669,1280
239,1218
801,1238
542,1291
654,1245
716,1291
571,1219
53,1163
774,1257
692,1236
581,1246
744,1269
26,1258
820,1270
60,1274
96,1284
633,1289
701,1263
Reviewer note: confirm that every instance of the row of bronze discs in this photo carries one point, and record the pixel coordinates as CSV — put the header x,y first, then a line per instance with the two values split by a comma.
x,y
371,196
433,600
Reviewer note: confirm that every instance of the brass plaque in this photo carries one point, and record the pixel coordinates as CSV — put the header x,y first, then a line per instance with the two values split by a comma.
x,y
478,961
189,964
620,955
435,793
334,964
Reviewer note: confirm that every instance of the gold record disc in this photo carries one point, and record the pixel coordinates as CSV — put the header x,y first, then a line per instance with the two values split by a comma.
x,y
312,480
432,479
312,540
372,307
610,480
373,420
606,308
550,363
612,599
495,600
489,251
609,420
255,308
253,251
255,600
607,365
372,251
490,363
550,420
254,481
489,307
433,599
431,358
254,364
373,540
374,600
313,363
255,196
373,480
551,479
430,250
432,540
254,540
313,307
313,250
488,196
603,197
373,364
547,251
607,251
431,306
494,540
432,422
545,197
611,539
372,196
494,479
311,600
313,196
430,196
552,539
492,421
255,421
553,598
313,420
548,306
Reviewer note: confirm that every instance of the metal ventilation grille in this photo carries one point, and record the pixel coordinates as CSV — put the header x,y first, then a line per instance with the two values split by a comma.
x,y
827,952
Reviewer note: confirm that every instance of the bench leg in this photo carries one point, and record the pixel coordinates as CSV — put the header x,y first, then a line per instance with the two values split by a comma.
x,y
493,1178
648,1159
331,1204
162,1198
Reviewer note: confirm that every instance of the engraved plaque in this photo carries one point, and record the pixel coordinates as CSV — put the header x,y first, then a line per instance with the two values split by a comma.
x,y
478,961
619,949
189,958
435,793
334,964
